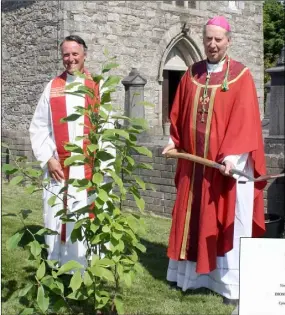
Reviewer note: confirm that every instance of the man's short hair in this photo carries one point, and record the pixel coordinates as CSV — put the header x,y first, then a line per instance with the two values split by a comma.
x,y
75,38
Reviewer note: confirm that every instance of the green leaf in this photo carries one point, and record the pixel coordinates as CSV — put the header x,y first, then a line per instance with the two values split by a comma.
x,y
27,311
104,156
25,290
111,81
92,147
140,182
76,281
139,201
70,265
130,160
9,169
76,235
87,280
25,213
146,166
143,150
106,229
16,180
14,240
74,158
77,295
108,275
122,133
109,66
35,248
102,194
51,201
70,86
119,305
73,148
141,247
97,78
46,231
105,262
94,260
97,271
71,117
42,300
97,178
58,305
47,281
127,278
31,189
41,271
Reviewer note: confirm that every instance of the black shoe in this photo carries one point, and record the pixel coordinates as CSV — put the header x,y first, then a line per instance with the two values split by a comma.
x,y
227,301
173,285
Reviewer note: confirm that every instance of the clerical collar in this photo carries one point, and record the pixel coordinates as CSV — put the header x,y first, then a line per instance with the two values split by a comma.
x,y
215,67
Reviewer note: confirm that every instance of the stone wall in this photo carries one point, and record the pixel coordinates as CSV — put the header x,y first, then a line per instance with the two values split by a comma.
x,y
30,36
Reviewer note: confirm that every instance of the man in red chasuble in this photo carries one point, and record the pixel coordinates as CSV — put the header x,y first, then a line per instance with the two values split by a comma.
x,y
48,137
215,115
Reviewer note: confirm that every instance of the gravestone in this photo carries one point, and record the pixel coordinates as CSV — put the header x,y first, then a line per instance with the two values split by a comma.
x,y
134,94
275,140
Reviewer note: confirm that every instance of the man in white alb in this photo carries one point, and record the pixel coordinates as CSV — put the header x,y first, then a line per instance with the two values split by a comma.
x,y
48,137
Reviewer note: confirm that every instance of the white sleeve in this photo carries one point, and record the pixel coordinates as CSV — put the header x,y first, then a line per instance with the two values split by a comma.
x,y
170,141
40,130
238,160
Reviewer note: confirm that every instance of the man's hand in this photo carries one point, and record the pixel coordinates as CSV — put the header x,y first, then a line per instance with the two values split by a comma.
x,y
169,147
228,166
55,169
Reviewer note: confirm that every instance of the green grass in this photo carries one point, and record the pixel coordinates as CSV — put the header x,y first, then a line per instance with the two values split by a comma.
x,y
149,293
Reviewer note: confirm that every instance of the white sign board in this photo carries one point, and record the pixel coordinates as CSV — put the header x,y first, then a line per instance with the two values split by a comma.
x,y
262,276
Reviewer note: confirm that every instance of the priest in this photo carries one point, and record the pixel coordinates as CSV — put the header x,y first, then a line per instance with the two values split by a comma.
x,y
48,137
215,115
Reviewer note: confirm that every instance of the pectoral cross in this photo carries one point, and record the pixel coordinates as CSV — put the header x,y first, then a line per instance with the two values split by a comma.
x,y
203,110
204,99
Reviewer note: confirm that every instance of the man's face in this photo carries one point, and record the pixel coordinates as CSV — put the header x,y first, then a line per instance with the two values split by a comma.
x,y
73,56
215,43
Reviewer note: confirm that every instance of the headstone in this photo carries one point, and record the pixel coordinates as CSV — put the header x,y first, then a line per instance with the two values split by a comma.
x,y
275,140
134,94
276,125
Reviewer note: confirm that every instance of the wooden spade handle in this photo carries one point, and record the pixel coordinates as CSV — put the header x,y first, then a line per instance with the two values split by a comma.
x,y
187,156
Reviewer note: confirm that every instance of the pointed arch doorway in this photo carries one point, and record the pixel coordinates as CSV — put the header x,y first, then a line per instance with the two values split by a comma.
x,y
180,54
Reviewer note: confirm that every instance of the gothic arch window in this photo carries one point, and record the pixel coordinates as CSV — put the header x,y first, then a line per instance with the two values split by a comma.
x,y
179,55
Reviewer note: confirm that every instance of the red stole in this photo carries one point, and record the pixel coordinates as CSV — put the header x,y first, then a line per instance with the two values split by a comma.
x,y
60,130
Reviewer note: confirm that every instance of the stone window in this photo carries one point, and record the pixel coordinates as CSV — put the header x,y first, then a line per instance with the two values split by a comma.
x,y
235,5
180,3
184,4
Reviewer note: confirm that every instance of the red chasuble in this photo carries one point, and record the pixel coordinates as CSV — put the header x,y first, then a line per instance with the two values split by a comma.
x,y
61,135
204,211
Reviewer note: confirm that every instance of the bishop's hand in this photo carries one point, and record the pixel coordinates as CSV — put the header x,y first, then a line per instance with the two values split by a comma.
x,y
169,147
227,167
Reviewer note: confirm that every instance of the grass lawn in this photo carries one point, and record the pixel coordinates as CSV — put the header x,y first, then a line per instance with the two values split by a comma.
x,y
149,293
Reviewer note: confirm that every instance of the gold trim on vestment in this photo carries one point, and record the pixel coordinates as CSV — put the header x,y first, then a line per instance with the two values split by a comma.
x,y
209,120
190,197
217,85
58,91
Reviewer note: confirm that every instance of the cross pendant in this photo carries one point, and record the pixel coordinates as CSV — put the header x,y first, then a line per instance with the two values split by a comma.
x,y
203,111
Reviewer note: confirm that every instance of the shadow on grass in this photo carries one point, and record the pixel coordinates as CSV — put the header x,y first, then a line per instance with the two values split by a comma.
x,y
155,261
8,289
